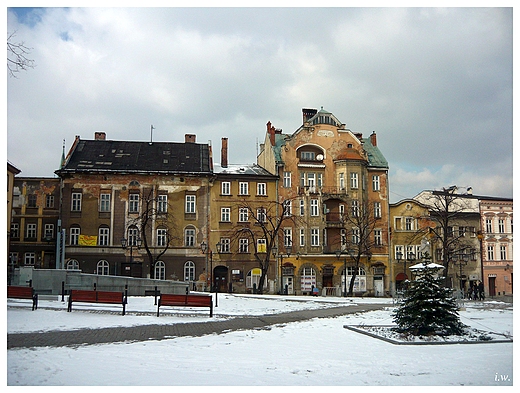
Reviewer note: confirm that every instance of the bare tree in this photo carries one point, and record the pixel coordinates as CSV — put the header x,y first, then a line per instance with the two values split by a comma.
x,y
359,222
17,56
155,216
446,208
264,231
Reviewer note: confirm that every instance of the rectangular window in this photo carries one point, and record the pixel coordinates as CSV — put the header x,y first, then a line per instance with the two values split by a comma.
x,y
314,208
161,237
244,188
104,203
307,156
31,231
378,237
133,203
375,183
315,237
311,181
503,252
224,244
243,245
74,236
225,214
29,258
398,254
302,237
162,204
133,235
377,209
261,246
225,188
354,180
287,237
341,181
261,189
355,208
103,237
287,179
190,204
489,225
490,253
462,231
243,214
501,226
76,202
48,231
15,230
31,200
302,207
343,237
287,208
261,215
409,224
355,235
49,201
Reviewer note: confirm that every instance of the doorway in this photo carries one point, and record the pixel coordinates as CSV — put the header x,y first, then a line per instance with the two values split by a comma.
x,y
220,276
379,288
492,286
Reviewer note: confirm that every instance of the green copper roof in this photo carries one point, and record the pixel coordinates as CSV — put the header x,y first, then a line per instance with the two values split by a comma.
x,y
375,157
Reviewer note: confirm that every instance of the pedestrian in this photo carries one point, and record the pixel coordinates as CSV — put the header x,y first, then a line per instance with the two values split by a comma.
x,y
475,291
481,290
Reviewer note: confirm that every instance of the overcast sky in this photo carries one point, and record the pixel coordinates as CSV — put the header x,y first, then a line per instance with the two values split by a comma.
x,y
435,84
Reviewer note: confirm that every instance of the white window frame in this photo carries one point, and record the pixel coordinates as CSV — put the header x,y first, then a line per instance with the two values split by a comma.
x,y
243,188
287,237
159,271
261,189
76,201
302,207
503,252
48,231
75,232
225,214
354,180
103,236
162,237
31,231
315,237
302,237
189,236
375,183
189,271
377,209
315,211
133,202
104,202
243,214
225,188
29,258
225,245
162,203
103,268
378,237
190,205
287,179
243,245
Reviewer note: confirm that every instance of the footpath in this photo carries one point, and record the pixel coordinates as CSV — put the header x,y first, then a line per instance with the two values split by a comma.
x,y
74,338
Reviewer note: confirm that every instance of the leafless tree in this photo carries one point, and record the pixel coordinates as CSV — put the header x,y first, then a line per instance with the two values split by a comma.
x,y
17,56
447,207
155,214
263,230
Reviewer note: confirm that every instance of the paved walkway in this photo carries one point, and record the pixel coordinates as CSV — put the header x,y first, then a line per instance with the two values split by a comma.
x,y
73,338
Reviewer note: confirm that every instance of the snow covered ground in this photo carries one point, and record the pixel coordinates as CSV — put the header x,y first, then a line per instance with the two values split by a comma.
x,y
318,352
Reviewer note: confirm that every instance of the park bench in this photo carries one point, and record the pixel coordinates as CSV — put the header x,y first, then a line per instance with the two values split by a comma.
x,y
19,292
94,296
188,300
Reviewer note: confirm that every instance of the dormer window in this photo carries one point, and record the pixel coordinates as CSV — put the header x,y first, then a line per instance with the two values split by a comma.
x,y
308,156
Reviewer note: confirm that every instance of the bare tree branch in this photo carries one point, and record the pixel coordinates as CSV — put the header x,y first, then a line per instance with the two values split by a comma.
x,y
17,56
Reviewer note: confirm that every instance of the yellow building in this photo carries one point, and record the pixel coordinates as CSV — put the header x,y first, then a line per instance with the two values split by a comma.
x,y
335,183
239,195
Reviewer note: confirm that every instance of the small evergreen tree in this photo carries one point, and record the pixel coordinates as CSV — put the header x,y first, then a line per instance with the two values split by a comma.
x,y
428,308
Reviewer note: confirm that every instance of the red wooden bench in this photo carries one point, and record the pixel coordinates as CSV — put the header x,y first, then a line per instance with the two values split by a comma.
x,y
188,300
19,292
88,296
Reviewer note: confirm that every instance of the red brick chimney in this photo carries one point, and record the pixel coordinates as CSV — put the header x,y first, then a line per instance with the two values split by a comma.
x,y
373,138
224,153
190,138
100,136
272,132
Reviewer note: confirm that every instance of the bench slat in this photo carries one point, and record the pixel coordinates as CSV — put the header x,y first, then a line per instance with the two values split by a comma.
x,y
189,300
19,292
105,297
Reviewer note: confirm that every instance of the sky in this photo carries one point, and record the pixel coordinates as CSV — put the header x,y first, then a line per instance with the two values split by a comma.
x,y
317,352
435,84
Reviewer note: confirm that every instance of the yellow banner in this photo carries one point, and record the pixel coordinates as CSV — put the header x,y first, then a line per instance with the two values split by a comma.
x,y
85,240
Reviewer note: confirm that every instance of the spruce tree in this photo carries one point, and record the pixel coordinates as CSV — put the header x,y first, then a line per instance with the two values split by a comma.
x,y
428,308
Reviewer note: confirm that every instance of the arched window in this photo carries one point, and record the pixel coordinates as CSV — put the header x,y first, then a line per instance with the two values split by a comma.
x,y
253,278
72,264
103,268
160,271
308,279
189,271
360,283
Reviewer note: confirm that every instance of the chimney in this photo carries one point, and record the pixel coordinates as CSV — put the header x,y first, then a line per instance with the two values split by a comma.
x,y
373,138
224,153
308,114
100,136
190,138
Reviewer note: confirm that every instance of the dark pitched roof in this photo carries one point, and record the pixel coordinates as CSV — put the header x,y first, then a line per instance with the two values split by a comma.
x,y
137,157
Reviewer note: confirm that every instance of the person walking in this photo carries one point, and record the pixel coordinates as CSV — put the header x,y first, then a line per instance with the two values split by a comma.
x,y
481,290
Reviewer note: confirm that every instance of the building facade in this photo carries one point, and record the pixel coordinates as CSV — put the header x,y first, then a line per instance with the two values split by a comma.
x,y
335,185
409,227
496,216
137,209
34,222
240,195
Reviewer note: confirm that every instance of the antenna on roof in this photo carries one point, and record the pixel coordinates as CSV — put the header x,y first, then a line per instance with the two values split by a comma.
x,y
151,133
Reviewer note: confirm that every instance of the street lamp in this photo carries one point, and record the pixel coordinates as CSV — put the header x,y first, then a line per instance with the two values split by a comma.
x,y
461,260
338,255
274,250
125,244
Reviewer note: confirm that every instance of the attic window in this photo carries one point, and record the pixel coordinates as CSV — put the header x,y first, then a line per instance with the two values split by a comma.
x,y
134,183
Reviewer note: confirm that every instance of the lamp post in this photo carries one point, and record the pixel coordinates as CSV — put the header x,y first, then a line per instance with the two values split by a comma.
x,y
288,250
338,255
204,249
134,243
460,260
